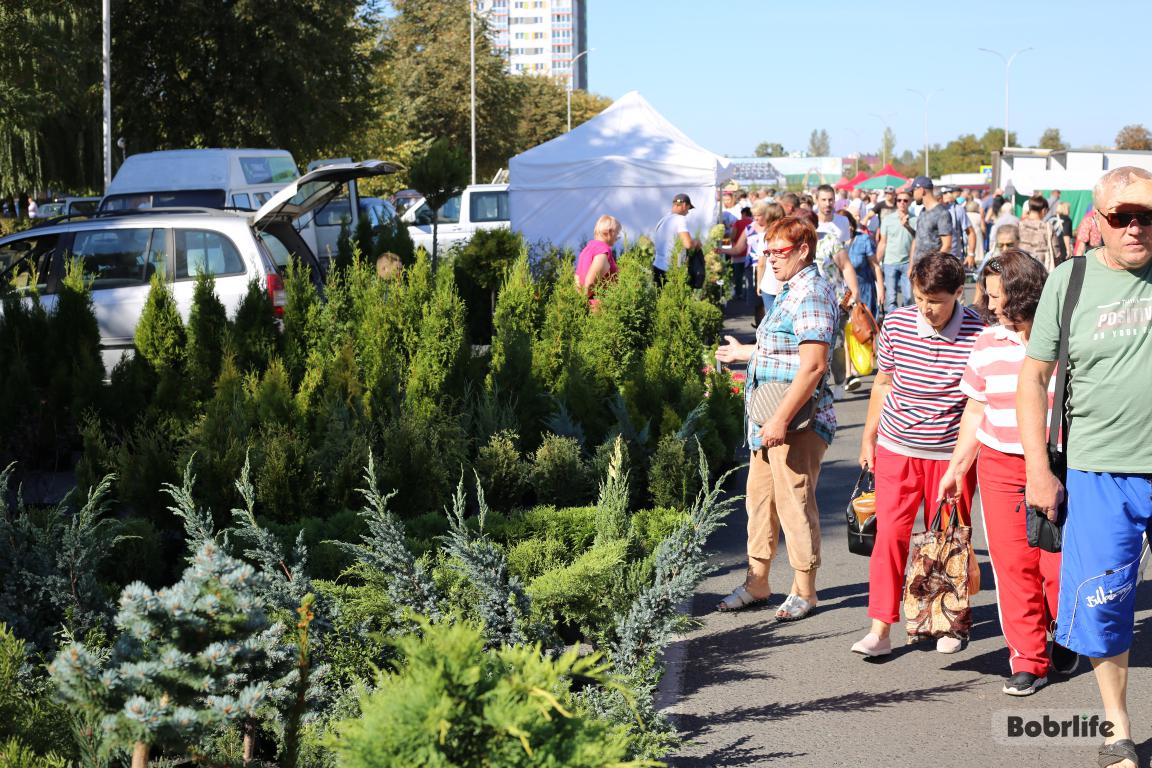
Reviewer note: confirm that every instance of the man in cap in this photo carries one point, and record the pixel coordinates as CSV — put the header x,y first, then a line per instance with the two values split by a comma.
x,y
669,229
933,222
963,235
1109,455
887,202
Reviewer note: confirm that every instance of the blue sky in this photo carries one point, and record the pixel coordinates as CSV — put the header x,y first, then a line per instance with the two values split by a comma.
x,y
732,74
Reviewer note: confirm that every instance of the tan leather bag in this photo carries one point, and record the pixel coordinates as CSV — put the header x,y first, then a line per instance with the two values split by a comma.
x,y
863,323
766,399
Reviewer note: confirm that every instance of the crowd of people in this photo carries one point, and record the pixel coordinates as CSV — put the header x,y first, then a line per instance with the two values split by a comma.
x,y
961,399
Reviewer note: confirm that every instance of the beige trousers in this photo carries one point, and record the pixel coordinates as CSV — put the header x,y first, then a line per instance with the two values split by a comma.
x,y
782,495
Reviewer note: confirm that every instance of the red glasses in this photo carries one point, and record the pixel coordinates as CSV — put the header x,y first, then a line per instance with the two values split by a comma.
x,y
775,254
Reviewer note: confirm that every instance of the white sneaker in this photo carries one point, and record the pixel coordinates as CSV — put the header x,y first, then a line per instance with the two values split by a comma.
x,y
837,392
948,644
852,384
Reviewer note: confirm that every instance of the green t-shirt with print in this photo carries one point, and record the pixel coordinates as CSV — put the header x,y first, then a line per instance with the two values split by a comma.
x,y
1110,364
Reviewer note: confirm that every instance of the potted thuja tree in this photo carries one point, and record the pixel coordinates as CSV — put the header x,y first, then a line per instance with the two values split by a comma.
x,y
439,174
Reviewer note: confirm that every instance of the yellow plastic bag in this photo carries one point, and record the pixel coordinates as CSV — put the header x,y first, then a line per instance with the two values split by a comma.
x,y
862,355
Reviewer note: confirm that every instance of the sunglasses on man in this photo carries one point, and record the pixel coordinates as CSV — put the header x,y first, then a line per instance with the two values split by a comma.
x,y
1122,219
903,199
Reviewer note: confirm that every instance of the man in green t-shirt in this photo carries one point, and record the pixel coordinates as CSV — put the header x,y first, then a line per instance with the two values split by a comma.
x,y
1109,439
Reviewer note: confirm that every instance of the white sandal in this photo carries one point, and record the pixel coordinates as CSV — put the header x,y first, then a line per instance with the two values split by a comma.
x,y
740,599
795,608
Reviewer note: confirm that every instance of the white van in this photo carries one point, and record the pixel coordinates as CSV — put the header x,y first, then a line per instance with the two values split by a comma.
x,y
479,206
200,178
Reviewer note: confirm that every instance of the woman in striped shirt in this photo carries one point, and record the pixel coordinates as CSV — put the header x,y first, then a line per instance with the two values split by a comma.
x,y
912,424
1027,578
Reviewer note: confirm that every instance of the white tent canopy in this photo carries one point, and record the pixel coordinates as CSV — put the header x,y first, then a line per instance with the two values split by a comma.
x,y
628,161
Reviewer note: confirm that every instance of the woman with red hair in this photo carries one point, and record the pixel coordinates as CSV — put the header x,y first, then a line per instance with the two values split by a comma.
x,y
793,347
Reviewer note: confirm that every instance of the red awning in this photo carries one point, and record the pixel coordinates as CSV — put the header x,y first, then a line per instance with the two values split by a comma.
x,y
888,170
852,182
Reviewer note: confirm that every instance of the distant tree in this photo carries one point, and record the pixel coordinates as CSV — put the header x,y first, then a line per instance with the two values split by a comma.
x,y
767,149
1134,136
201,73
542,110
993,140
439,175
1051,139
424,82
49,97
887,145
818,143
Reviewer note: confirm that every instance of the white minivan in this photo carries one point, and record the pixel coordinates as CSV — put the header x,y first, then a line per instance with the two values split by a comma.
x,y
200,178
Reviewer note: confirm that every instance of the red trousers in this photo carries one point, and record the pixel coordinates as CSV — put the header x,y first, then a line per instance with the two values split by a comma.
x,y
1027,578
902,485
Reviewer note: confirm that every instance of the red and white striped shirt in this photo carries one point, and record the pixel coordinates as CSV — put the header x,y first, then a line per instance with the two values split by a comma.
x,y
921,414
992,377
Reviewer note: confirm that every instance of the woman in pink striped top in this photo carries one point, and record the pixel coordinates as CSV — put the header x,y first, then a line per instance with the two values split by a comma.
x,y
913,420
1027,578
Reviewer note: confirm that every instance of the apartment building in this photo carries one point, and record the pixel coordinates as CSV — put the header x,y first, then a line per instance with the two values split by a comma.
x,y
540,37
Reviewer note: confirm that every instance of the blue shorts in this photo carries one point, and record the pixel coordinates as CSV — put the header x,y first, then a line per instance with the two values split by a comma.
x,y
1107,514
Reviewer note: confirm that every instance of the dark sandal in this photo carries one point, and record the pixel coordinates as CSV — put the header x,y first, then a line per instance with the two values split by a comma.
x,y
1117,751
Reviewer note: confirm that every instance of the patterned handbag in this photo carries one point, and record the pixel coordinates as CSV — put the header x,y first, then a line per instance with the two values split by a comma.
x,y
942,576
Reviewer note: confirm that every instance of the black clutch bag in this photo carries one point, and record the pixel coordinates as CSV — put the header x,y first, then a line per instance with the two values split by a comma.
x,y
1042,532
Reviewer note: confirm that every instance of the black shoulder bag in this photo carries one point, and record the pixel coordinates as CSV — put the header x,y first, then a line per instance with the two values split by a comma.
x,y
696,267
1042,532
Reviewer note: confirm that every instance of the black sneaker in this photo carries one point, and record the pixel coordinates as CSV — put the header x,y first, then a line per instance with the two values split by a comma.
x,y
1062,660
1024,684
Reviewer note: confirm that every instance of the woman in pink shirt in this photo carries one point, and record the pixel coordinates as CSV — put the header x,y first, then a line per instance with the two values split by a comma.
x,y
1027,578
596,262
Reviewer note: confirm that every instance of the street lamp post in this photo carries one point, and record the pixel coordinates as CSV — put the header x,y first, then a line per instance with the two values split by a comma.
x,y
472,78
883,119
106,19
1007,68
927,98
571,77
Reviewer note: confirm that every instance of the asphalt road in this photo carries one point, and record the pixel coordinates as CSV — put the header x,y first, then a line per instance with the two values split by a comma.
x,y
746,690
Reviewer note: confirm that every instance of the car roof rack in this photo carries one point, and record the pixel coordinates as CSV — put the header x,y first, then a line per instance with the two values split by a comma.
x,y
127,212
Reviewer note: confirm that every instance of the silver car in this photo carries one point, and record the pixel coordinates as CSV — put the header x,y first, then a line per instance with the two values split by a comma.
x,y
121,252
